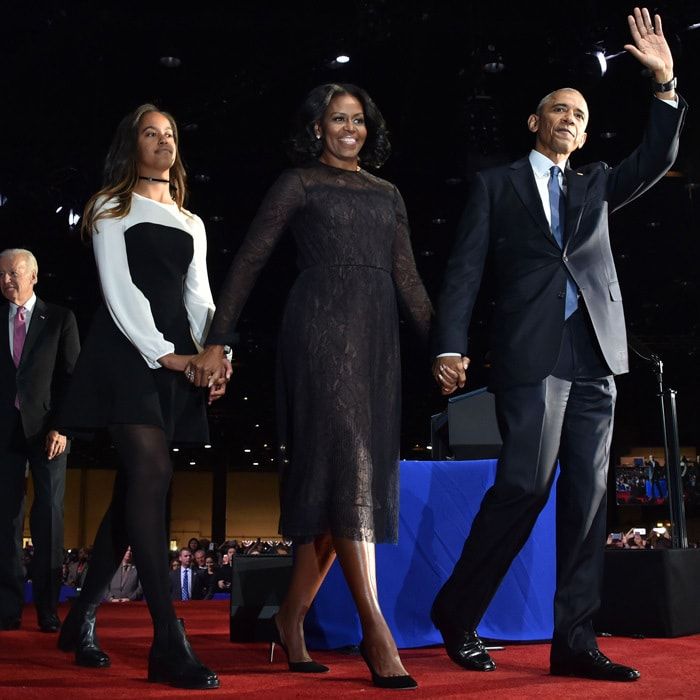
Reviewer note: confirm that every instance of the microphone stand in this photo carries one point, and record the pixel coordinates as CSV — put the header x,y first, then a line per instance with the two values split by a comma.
x,y
669,421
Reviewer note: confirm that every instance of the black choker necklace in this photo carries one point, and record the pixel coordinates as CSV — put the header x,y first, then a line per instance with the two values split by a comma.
x,y
153,179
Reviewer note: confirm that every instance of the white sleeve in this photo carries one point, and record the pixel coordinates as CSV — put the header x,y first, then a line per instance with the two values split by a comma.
x,y
126,303
198,299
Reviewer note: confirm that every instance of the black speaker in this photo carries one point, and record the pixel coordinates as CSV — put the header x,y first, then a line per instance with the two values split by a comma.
x,y
468,426
650,593
258,585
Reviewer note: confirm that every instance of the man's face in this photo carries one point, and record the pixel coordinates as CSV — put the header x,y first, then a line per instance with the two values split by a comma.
x,y
17,279
560,127
200,557
185,557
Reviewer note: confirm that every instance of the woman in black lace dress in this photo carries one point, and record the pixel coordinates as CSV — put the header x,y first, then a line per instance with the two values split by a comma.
x,y
338,358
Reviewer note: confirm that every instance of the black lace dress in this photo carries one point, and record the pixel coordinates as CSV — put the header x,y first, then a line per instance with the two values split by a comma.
x,y
339,375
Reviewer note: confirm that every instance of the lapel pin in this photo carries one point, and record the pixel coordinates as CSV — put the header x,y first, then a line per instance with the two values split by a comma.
x,y
579,173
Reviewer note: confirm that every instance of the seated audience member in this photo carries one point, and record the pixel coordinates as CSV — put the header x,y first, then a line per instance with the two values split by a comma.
x,y
206,582
125,585
200,557
182,578
78,569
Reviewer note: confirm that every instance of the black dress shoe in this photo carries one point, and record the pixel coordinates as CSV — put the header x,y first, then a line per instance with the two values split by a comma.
x,y
49,623
467,650
9,623
593,664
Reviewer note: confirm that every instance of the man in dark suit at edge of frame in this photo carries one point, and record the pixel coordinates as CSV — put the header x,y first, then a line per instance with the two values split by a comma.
x,y
558,340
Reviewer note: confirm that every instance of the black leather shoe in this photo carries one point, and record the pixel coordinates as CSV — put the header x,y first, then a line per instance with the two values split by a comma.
x,y
171,660
78,634
9,623
593,664
466,649
49,623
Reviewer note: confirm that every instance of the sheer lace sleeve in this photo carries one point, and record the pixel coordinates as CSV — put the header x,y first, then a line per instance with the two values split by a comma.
x,y
280,204
413,299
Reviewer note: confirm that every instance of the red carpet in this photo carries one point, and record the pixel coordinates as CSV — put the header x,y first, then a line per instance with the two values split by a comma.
x,y
32,666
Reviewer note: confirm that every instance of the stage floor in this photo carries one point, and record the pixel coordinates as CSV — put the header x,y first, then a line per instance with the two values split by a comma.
x,y
33,668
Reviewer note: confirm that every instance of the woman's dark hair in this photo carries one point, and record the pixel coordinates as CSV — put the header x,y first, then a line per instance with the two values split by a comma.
x,y
121,172
305,146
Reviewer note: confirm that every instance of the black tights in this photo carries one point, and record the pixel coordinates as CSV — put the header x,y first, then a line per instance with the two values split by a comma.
x,y
136,517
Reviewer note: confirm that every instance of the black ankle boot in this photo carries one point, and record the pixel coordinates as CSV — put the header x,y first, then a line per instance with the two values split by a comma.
x,y
172,660
78,635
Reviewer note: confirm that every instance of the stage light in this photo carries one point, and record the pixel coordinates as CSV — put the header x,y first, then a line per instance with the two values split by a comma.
x,y
192,464
246,449
342,58
256,464
73,218
207,447
59,209
602,62
176,449
170,61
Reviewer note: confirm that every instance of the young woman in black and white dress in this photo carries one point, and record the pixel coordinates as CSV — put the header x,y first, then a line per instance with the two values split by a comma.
x,y
151,258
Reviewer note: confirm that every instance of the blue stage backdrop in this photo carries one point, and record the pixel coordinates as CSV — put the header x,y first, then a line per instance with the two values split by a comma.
x,y
439,501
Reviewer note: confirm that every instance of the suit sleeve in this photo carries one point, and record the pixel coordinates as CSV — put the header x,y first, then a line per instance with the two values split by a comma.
x,y
68,351
652,159
465,268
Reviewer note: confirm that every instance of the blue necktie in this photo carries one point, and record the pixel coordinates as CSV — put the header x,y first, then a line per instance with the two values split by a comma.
x,y
557,205
185,585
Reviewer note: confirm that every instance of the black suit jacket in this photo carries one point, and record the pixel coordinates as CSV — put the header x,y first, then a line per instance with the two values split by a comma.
x,y
50,351
176,585
504,218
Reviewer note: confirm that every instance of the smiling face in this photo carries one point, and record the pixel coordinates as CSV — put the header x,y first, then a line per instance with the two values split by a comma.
x,y
156,145
343,132
560,124
17,278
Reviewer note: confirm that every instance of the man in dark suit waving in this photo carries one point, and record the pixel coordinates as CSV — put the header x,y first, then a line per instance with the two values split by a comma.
x,y
558,339
38,348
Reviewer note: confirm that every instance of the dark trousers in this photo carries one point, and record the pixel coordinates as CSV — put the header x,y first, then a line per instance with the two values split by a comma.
x,y
569,416
45,520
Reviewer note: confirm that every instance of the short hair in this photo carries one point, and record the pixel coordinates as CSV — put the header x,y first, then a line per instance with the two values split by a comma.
x,y
305,147
27,254
548,97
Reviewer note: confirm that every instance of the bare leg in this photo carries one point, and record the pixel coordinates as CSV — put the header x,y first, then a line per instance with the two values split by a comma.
x,y
357,560
311,564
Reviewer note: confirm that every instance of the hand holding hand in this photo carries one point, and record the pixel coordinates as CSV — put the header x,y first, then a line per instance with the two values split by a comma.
x,y
176,363
216,391
650,47
55,444
450,372
209,367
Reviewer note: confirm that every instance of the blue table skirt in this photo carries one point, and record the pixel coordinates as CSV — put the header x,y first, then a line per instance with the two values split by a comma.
x,y
439,501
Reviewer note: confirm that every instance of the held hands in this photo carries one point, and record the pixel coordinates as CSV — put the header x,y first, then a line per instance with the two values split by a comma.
x,y
55,444
450,372
209,368
176,363
650,47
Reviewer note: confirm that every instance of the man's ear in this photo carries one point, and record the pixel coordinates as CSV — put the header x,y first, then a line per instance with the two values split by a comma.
x,y
582,139
533,122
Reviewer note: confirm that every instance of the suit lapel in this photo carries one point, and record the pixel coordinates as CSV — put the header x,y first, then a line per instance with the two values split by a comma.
x,y
576,187
36,326
524,183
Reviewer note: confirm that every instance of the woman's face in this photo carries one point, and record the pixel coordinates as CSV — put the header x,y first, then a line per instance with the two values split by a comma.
x,y
209,562
156,144
174,563
342,131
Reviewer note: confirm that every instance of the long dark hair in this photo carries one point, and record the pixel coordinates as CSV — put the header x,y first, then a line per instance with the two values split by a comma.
x,y
303,144
121,173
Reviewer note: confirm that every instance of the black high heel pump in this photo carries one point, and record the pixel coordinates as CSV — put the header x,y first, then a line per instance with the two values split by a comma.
x,y
294,666
392,682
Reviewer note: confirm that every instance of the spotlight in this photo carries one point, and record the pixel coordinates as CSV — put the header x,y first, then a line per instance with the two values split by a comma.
x,y
342,58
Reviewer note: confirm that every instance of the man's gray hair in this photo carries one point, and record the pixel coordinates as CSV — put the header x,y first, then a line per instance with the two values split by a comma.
x,y
27,254
549,96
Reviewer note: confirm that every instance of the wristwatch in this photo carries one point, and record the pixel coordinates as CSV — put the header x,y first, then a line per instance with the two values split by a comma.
x,y
228,352
664,87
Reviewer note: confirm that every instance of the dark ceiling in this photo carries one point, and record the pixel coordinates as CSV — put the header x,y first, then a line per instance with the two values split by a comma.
x,y
71,72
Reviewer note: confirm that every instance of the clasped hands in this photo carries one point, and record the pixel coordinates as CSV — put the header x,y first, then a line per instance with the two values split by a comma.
x,y
450,372
210,369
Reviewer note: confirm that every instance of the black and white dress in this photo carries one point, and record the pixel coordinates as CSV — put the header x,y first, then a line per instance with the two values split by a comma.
x,y
339,367
157,300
